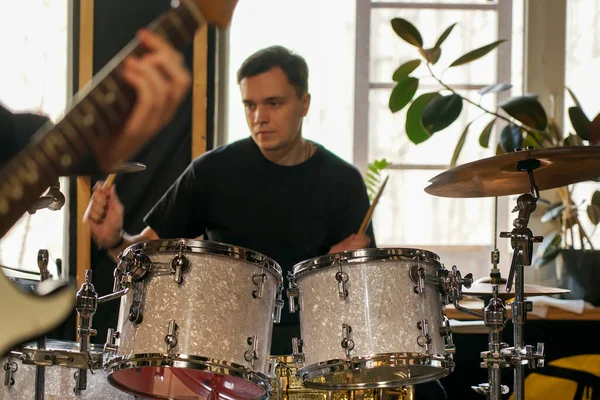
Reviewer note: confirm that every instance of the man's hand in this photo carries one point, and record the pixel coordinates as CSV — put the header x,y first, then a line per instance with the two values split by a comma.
x,y
352,242
104,215
161,81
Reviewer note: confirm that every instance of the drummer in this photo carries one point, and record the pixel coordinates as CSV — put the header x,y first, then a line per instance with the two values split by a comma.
x,y
273,192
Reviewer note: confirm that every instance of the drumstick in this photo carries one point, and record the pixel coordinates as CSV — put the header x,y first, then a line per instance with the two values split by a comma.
x,y
109,181
367,220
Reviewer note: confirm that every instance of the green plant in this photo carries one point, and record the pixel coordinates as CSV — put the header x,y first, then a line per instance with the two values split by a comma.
x,y
526,124
374,176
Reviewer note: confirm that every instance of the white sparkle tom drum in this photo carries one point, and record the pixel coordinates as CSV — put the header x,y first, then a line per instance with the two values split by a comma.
x,y
196,322
19,374
370,318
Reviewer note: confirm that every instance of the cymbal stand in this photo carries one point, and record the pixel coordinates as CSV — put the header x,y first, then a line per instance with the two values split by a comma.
x,y
86,305
40,371
521,240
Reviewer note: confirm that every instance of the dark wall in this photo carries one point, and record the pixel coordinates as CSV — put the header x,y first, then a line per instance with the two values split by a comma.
x,y
115,24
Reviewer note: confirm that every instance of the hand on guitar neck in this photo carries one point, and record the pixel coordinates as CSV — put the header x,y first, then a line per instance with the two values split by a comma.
x,y
161,81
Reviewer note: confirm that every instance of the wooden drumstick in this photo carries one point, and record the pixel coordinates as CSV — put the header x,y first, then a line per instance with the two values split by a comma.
x,y
367,220
109,181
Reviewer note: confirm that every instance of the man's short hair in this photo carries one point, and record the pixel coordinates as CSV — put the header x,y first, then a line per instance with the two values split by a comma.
x,y
293,65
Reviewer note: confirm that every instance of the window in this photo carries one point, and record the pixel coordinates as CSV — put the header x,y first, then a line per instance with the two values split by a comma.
x,y
34,79
581,65
320,31
460,231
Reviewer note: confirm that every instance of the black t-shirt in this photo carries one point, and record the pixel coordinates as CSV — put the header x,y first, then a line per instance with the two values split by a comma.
x,y
16,130
234,195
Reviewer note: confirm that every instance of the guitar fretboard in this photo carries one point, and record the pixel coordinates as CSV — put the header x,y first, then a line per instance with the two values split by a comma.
x,y
98,114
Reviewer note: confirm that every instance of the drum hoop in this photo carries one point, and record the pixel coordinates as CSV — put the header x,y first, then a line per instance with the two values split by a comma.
x,y
361,256
326,368
184,361
209,247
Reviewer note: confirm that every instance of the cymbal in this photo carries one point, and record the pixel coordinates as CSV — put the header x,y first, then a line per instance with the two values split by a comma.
x,y
500,176
483,288
121,168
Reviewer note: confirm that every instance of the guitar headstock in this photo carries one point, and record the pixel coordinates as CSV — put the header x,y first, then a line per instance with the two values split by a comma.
x,y
217,12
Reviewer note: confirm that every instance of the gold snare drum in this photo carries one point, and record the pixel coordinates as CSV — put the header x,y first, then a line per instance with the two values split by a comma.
x,y
287,386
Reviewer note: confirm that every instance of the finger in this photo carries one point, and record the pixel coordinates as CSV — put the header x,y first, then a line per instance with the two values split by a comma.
x,y
154,42
140,76
114,199
172,80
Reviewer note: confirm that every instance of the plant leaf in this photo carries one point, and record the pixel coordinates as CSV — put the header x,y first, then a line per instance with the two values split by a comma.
x,y
577,103
405,69
499,149
553,212
459,145
476,54
594,131
511,138
496,88
415,130
580,122
442,112
593,210
381,164
403,94
548,249
444,36
527,110
407,31
573,140
534,140
484,138
431,55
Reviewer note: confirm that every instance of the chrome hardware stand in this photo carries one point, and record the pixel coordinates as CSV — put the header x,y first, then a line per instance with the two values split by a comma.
x,y
499,354
86,305
40,371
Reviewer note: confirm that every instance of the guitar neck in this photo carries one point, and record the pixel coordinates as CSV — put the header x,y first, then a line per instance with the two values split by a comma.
x,y
96,117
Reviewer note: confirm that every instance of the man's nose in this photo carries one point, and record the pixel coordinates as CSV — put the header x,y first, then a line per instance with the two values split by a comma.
x,y
261,115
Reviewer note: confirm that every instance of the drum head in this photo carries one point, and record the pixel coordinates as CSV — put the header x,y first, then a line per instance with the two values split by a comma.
x,y
381,371
156,377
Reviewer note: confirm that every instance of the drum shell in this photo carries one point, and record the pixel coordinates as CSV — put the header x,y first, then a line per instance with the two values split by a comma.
x,y
59,380
382,309
216,313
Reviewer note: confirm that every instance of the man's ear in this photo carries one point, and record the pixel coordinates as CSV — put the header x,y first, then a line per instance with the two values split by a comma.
x,y
305,104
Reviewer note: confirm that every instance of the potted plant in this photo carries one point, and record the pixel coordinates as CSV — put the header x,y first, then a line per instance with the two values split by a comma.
x,y
525,125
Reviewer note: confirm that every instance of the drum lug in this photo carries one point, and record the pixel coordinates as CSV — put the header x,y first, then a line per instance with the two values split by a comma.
x,y
259,280
111,347
10,367
342,278
446,333
292,294
347,343
424,339
180,264
252,355
135,265
297,354
171,337
278,305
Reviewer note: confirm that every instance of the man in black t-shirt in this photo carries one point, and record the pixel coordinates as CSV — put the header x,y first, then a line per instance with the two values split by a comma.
x,y
274,192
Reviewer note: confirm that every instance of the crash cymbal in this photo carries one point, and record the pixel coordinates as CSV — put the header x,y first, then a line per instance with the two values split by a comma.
x,y
483,288
121,168
500,175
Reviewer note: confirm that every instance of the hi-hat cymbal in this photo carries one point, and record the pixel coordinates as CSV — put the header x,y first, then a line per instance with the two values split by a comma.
x,y
483,287
500,175
121,168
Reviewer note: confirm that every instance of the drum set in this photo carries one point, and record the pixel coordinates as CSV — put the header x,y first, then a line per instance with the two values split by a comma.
x,y
196,317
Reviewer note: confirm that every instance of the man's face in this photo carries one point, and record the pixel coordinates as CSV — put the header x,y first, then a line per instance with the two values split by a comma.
x,y
273,110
